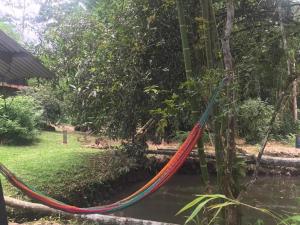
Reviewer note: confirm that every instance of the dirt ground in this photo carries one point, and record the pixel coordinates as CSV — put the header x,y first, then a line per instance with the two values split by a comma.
x,y
273,148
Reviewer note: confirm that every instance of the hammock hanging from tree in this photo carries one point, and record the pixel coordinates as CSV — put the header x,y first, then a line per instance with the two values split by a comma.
x,y
150,187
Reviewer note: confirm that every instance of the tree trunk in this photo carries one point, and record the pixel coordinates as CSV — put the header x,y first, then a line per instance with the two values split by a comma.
x,y
290,61
220,162
231,213
184,40
189,75
228,62
3,215
101,219
294,94
203,163
211,36
207,33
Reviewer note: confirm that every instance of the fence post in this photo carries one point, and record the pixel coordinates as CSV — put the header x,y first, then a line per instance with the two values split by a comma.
x,y
65,137
3,214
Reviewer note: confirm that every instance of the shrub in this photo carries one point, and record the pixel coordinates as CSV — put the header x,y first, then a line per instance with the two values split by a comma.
x,y
51,105
286,124
181,136
19,117
136,150
253,119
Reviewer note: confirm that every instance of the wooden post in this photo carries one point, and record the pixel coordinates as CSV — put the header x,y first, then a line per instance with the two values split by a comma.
x,y
65,137
3,214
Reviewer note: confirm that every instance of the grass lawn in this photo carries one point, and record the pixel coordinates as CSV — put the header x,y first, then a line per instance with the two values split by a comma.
x,y
50,166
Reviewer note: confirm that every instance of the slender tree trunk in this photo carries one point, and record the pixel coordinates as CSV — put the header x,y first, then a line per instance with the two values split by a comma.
x,y
211,35
3,215
290,61
184,40
228,62
203,164
211,43
214,36
207,33
189,75
220,156
295,94
232,216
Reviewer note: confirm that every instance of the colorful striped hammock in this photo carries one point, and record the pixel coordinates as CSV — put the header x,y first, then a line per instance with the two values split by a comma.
x,y
153,185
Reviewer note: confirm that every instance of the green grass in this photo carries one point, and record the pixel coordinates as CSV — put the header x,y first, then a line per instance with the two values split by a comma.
x,y
50,166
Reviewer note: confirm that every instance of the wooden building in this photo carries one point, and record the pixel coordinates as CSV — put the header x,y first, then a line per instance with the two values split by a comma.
x,y
17,65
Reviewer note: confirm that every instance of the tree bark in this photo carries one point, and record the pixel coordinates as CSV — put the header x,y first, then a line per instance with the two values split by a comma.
x,y
207,33
3,214
228,62
290,61
211,35
232,216
203,164
295,94
101,219
189,75
184,40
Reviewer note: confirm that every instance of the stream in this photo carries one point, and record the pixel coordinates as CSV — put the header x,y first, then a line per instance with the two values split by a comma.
x,y
279,194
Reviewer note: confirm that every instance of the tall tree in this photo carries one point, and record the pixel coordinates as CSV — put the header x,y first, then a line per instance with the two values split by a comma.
x,y
189,75
283,11
232,217
184,40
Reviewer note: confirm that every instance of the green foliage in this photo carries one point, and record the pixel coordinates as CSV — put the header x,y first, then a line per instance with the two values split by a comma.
x,y
286,125
180,136
254,116
239,168
215,203
19,118
117,164
135,150
293,220
259,222
52,106
114,65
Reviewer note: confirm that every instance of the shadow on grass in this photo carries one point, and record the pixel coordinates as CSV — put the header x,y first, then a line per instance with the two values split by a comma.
x,y
20,142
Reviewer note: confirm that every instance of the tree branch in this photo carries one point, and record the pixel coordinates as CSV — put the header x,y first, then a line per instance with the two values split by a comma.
x,y
101,219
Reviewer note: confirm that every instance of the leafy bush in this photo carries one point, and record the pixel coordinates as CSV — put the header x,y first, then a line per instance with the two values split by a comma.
x,y
253,119
286,125
19,117
51,105
180,136
136,150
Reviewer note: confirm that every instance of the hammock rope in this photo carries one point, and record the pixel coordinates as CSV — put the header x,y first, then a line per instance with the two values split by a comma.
x,y
150,187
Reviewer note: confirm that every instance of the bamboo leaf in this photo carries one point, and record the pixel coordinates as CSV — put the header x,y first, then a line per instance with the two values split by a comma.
x,y
221,205
192,203
216,215
199,208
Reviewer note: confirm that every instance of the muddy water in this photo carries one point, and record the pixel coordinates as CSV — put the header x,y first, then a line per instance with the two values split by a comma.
x,y
275,193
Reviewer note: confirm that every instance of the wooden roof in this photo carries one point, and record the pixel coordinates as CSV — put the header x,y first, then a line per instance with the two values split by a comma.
x,y
18,64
